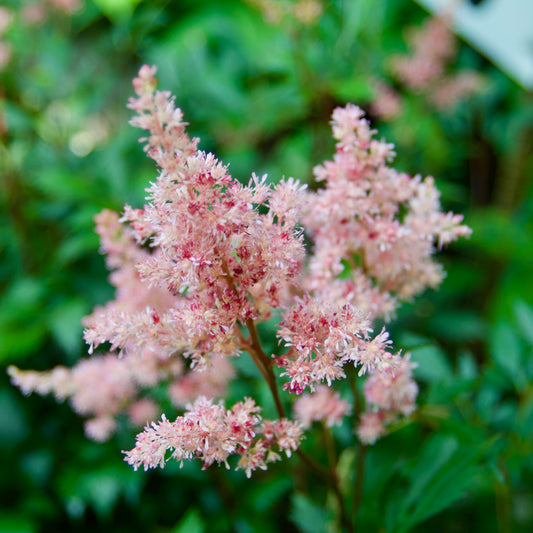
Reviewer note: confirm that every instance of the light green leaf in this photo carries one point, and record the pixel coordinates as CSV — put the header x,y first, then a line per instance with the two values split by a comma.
x,y
524,317
16,523
346,468
466,365
446,469
65,324
307,515
190,523
433,364
116,9
506,353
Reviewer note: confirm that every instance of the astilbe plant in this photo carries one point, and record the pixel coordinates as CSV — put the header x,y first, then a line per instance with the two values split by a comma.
x,y
208,258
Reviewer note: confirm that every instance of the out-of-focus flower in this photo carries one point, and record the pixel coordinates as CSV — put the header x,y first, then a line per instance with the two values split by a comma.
x,y
433,45
323,405
388,396
305,12
387,104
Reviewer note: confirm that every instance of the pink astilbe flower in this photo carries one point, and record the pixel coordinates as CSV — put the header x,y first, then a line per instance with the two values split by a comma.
x,y
140,318
423,70
210,383
207,258
455,88
322,405
433,45
143,411
388,396
304,12
211,433
100,387
374,220
322,338
67,6
100,428
209,240
371,427
387,104
395,391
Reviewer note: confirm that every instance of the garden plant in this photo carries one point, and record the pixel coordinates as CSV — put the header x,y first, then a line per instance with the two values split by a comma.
x,y
288,338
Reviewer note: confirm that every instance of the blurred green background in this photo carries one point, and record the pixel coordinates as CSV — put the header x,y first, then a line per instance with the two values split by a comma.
x,y
258,87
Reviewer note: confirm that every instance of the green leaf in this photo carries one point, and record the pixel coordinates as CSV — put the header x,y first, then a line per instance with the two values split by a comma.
x,y
20,333
353,90
506,352
524,317
190,523
466,365
116,9
459,326
307,515
499,235
444,471
16,523
433,364
65,324
434,455
346,468
100,489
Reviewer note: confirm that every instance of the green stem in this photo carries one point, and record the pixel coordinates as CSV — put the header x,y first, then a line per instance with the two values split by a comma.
x,y
359,478
265,366
327,437
361,455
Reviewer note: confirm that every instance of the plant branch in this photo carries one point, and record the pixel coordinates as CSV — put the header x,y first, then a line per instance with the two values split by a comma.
x,y
264,364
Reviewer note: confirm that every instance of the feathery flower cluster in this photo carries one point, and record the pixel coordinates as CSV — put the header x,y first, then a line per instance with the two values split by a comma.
x,y
120,381
200,265
212,433
115,380
387,396
324,405
433,46
374,228
387,103
323,337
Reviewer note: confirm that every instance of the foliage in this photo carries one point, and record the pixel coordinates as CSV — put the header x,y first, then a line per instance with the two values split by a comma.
x,y
260,95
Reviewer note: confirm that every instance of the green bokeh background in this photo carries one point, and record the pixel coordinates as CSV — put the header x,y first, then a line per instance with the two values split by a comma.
x,y
260,96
